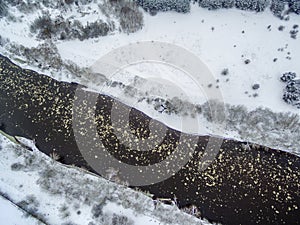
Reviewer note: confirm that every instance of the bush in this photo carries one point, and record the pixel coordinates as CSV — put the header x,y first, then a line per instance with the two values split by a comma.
x,y
69,2
119,219
16,167
97,210
43,26
3,41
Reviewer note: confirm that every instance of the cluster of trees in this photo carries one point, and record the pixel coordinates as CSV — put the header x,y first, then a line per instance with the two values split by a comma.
x,y
277,6
292,89
46,3
154,6
128,13
46,28
46,57
254,5
260,125
175,106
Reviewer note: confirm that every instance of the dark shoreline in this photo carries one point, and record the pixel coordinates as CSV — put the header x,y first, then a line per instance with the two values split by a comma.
x,y
242,186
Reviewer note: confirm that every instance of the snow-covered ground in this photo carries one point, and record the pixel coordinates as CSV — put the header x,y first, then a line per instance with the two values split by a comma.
x,y
12,215
216,49
222,39
59,194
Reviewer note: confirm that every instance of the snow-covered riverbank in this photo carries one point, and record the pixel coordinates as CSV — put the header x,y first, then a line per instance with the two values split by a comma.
x,y
59,194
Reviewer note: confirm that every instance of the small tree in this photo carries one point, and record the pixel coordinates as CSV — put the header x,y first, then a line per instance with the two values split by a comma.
x,y
43,26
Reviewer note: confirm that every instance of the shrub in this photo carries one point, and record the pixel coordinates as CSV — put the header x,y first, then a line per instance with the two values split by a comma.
x,y
255,86
247,61
3,41
69,2
225,72
16,167
97,210
43,26
119,219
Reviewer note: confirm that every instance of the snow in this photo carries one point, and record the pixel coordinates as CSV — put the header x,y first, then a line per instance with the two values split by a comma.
x,y
12,215
216,49
145,220
59,194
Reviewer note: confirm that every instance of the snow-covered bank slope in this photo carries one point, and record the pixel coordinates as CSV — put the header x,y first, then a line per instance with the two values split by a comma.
x,y
11,214
57,194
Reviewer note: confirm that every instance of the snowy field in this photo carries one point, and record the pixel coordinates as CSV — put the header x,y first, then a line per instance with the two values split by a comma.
x,y
58,194
216,49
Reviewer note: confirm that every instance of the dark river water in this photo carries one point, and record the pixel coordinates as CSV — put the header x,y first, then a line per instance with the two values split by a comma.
x,y
241,186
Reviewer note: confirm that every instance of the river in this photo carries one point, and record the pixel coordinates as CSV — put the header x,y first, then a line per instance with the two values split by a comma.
x,y
242,185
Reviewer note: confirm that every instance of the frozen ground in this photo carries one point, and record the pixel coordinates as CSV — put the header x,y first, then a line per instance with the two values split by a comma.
x,y
221,44
58,194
